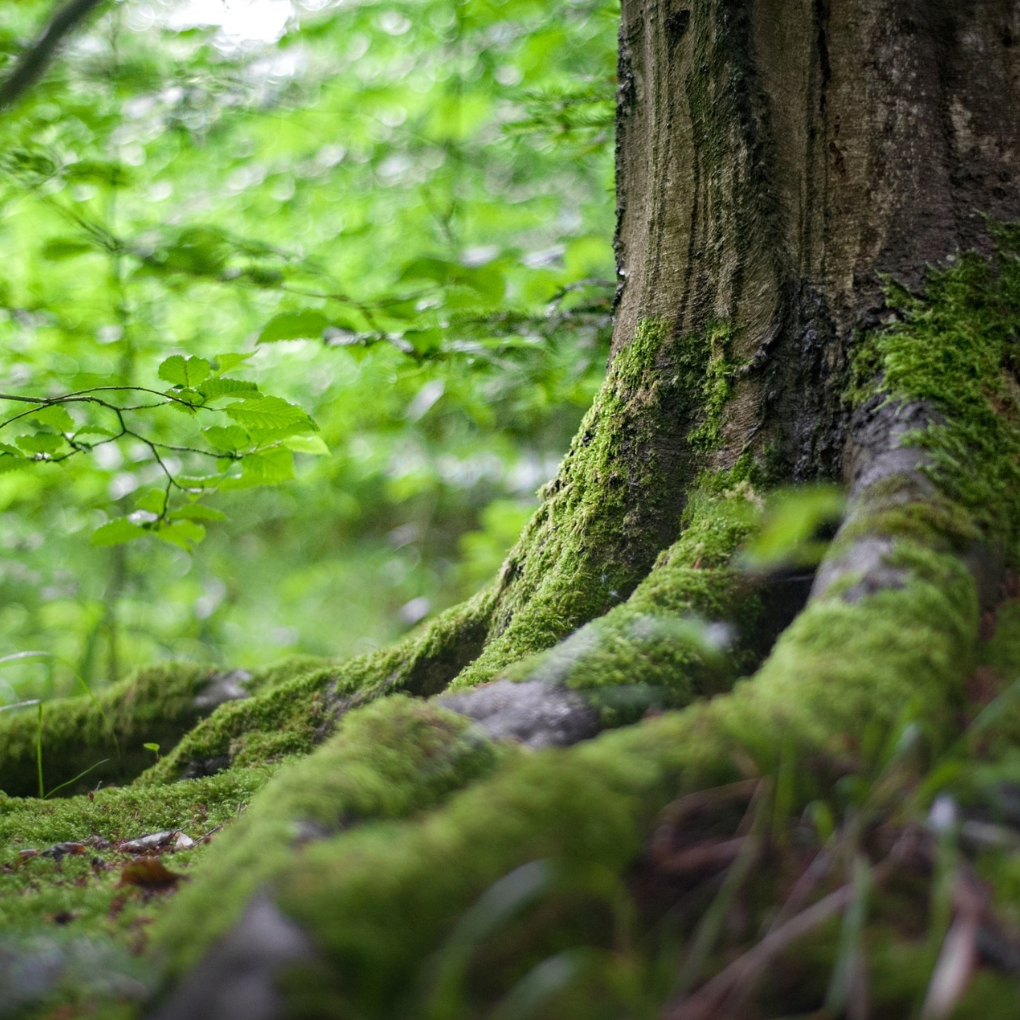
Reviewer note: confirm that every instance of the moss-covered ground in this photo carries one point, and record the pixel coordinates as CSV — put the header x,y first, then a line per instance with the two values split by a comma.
x,y
840,828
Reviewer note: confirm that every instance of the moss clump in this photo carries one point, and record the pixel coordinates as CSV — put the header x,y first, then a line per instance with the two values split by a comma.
x,y
295,707
955,348
657,648
617,499
65,919
387,760
890,511
380,900
709,353
77,734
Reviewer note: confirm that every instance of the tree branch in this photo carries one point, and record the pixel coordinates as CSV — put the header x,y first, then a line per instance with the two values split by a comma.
x,y
34,60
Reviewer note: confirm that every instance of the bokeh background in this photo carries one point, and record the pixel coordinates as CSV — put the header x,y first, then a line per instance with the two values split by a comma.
x,y
426,185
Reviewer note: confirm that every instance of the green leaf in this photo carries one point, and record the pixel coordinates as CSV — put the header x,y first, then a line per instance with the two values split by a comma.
x,y
41,442
225,362
269,467
428,268
264,276
219,387
307,324
60,248
184,534
55,417
264,414
11,459
200,251
154,501
229,438
181,371
116,532
424,341
197,512
197,483
94,430
313,445
488,282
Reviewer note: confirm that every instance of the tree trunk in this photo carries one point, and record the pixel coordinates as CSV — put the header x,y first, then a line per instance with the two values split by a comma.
x,y
789,172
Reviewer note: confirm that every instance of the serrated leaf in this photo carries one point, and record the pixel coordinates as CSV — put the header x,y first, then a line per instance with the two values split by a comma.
x,y
185,400
116,532
181,371
94,430
228,438
60,248
269,467
154,501
312,445
55,417
41,442
219,387
307,324
263,414
197,512
11,459
184,534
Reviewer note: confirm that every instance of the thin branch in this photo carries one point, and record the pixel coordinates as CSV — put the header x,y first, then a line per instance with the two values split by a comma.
x,y
34,61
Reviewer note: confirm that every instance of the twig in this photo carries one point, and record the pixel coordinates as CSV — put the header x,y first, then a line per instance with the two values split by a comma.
x,y
34,60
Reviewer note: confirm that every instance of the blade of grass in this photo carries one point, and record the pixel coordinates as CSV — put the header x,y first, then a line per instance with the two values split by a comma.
x,y
848,953
707,933
38,751
56,789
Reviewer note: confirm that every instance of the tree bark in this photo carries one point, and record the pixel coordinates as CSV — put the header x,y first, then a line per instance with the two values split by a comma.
x,y
781,165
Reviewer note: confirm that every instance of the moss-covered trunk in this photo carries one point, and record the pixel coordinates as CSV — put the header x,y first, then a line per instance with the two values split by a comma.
x,y
789,173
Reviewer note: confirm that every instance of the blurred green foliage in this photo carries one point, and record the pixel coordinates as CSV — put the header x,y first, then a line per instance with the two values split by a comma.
x,y
397,216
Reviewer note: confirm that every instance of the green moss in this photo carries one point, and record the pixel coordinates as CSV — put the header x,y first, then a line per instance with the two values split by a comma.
x,y
955,348
387,760
840,662
718,371
381,899
156,706
295,707
890,511
615,503
657,649
33,890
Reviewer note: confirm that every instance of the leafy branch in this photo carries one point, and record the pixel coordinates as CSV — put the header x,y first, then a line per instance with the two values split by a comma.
x,y
264,431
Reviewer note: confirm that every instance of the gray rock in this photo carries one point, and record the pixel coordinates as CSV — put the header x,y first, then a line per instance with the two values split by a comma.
x,y
237,978
222,687
536,713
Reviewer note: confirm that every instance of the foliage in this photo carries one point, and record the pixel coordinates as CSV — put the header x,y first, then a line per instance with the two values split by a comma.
x,y
396,219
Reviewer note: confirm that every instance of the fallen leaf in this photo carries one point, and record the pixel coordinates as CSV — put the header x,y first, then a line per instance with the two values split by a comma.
x,y
149,873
